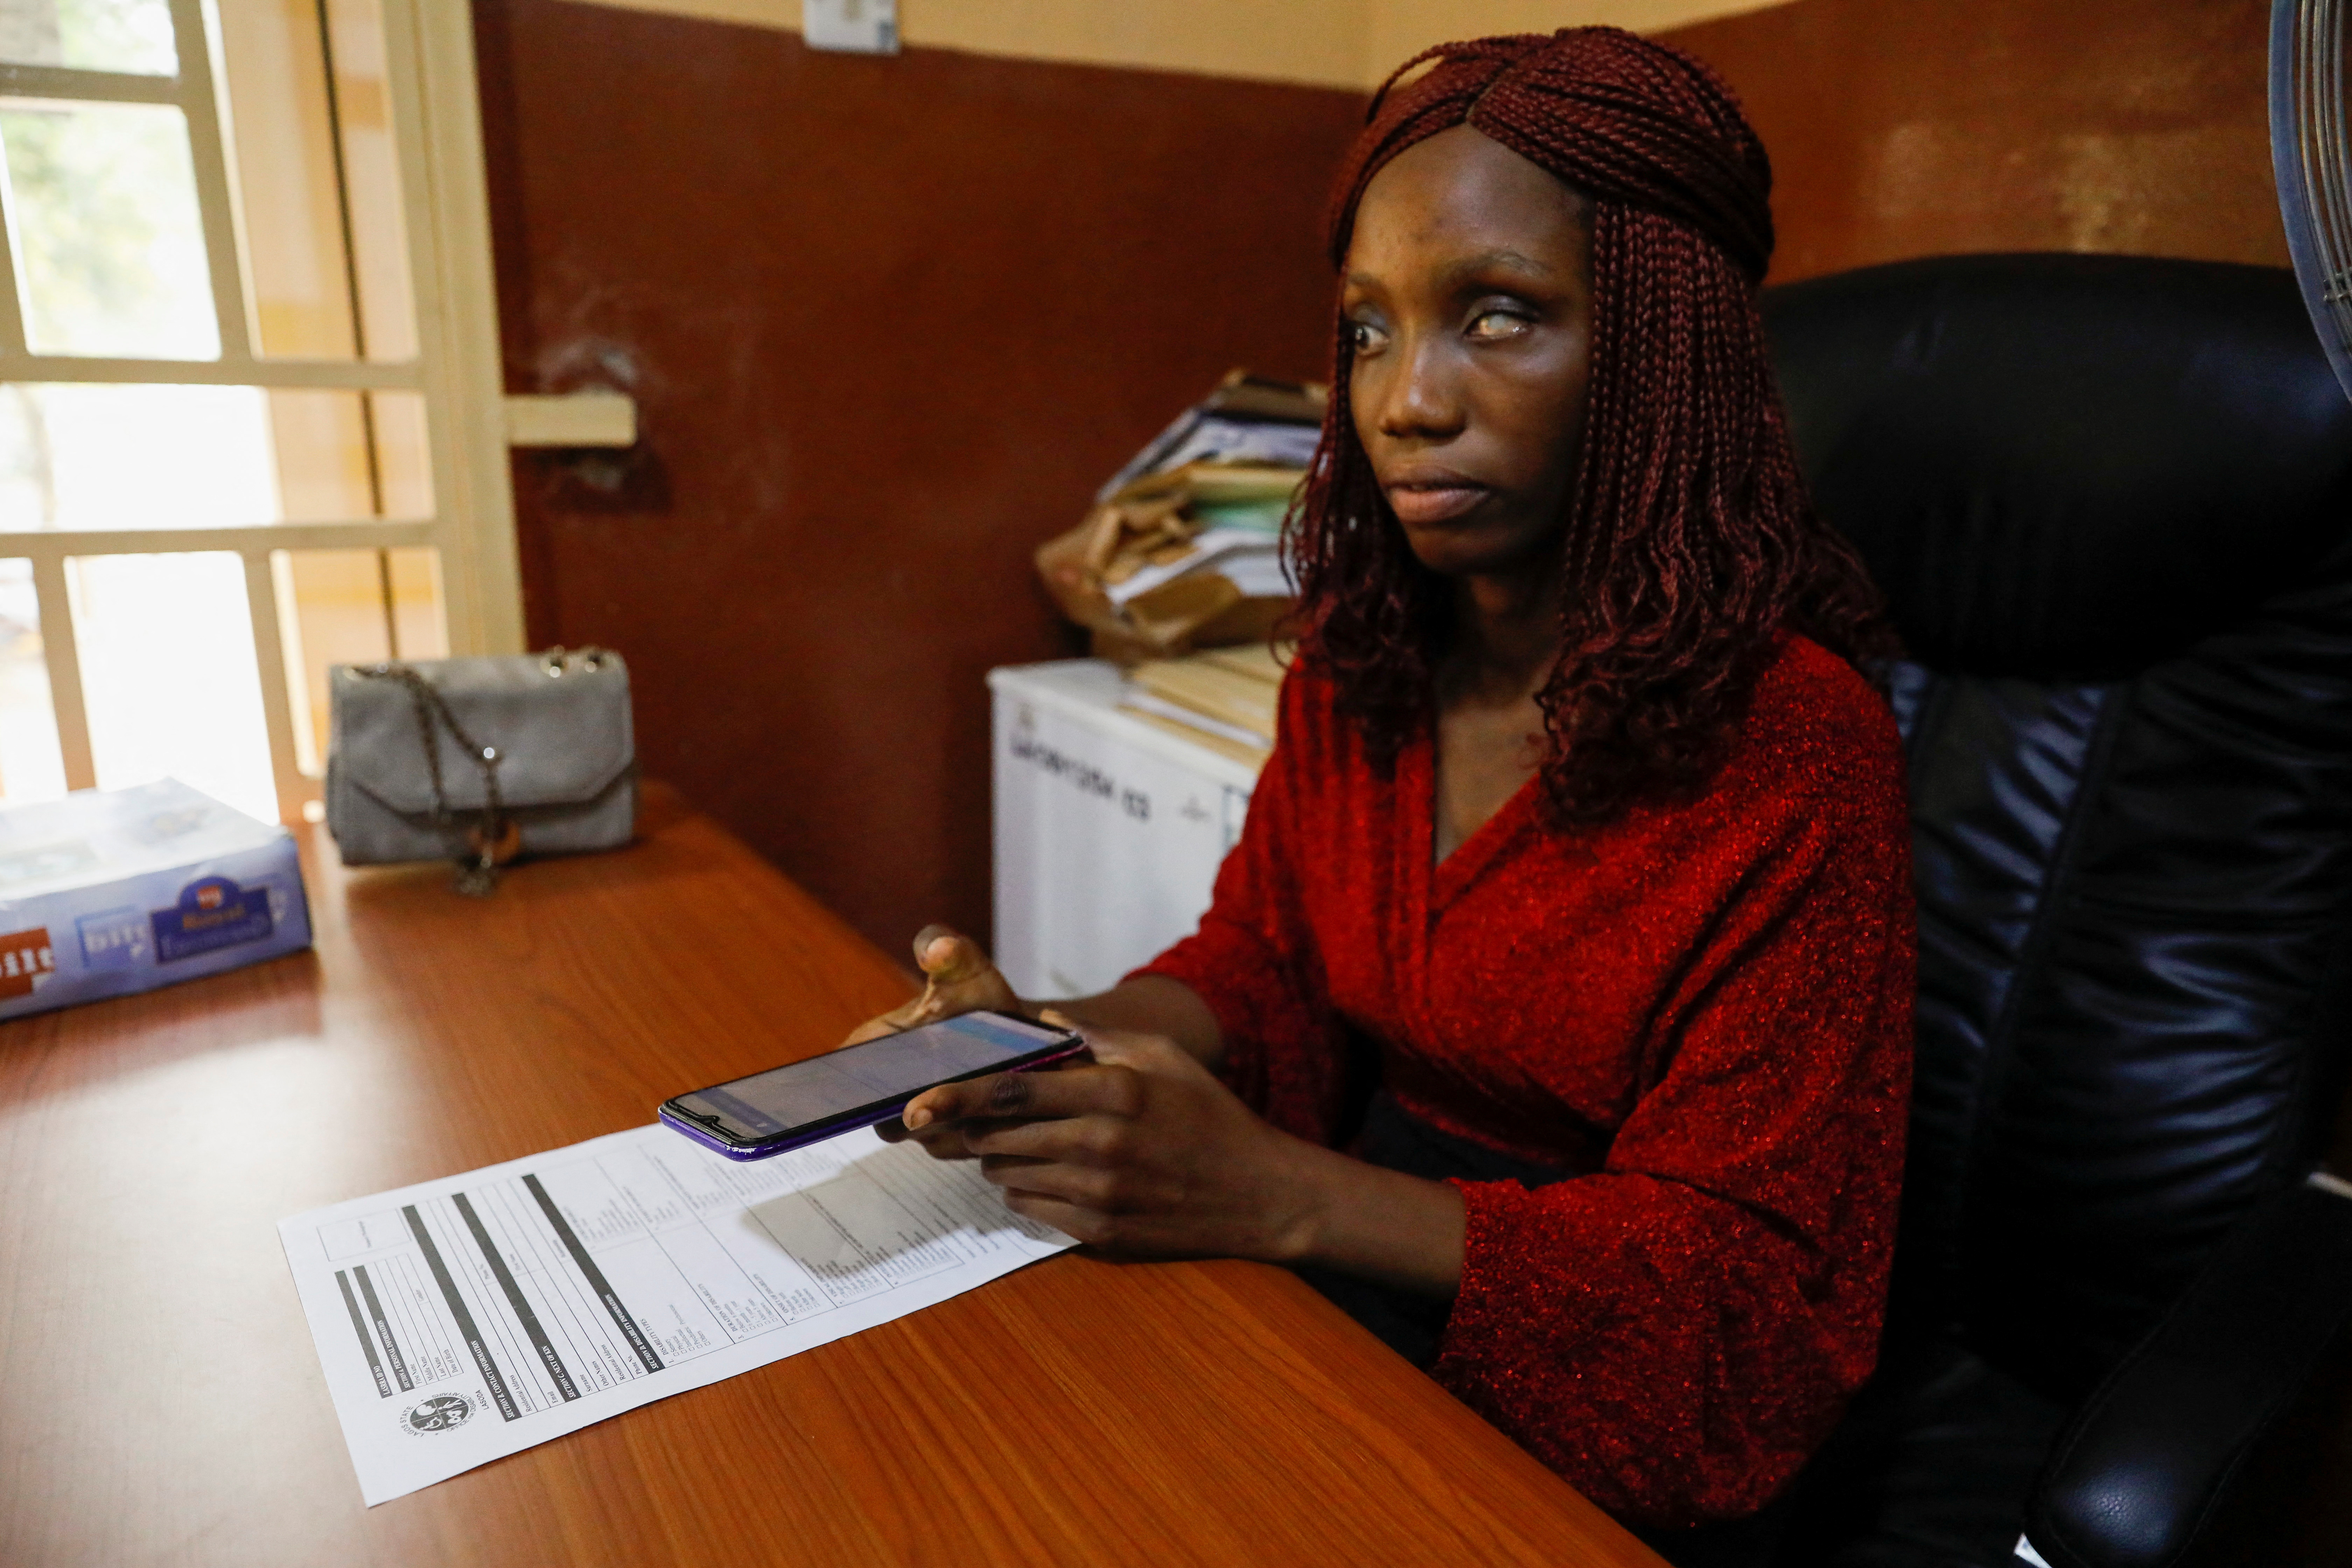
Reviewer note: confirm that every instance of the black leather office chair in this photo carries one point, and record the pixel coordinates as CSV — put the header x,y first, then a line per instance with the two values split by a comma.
x,y
2110,500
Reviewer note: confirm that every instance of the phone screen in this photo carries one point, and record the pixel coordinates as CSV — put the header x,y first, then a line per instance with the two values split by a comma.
x,y
837,1085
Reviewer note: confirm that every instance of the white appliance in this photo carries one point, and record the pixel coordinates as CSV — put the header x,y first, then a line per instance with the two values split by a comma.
x,y
1109,829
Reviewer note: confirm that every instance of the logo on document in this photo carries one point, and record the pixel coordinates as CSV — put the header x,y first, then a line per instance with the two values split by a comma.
x,y
26,959
211,912
112,939
442,1413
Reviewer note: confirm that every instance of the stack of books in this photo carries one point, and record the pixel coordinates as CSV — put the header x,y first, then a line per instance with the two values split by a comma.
x,y
1225,698
1206,516
1246,419
1182,546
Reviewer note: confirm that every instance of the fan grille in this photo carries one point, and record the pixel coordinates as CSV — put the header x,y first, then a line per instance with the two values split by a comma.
x,y
2314,164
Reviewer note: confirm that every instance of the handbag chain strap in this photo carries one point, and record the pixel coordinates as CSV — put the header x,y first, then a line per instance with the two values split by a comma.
x,y
495,836
478,869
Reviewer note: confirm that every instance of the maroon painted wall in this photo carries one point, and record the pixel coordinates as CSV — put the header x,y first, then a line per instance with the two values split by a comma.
x,y
889,322
1929,127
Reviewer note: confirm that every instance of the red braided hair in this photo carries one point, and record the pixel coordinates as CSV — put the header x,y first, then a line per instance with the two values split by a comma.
x,y
1691,544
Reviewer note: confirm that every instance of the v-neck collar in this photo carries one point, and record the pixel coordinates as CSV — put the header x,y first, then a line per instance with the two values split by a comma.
x,y
1425,892
1437,886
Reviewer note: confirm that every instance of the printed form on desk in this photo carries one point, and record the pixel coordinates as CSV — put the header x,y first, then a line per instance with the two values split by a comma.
x,y
466,1319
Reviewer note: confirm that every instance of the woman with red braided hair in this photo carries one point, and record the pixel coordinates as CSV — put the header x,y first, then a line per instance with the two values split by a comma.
x,y
1553,1012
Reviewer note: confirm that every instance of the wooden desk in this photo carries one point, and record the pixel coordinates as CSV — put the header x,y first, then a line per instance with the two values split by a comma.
x,y
161,1401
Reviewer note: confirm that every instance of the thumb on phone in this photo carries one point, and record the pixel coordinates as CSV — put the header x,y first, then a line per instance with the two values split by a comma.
x,y
957,977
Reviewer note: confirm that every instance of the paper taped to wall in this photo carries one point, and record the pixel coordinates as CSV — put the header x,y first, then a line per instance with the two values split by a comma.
x,y
466,1319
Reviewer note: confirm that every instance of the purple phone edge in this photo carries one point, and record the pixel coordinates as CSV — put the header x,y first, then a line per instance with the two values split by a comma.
x,y
835,1129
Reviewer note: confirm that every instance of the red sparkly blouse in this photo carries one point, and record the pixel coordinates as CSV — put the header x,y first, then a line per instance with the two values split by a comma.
x,y
1703,1008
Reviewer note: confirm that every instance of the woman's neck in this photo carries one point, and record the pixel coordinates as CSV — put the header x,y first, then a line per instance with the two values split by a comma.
x,y
1490,726
1506,633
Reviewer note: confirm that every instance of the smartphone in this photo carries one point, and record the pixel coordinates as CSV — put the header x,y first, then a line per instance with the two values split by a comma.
x,y
858,1085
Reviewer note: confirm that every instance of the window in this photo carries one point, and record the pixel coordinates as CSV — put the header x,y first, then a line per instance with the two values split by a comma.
x,y
249,420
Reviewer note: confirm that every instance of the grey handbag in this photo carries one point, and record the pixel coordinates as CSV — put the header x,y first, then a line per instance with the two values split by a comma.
x,y
478,760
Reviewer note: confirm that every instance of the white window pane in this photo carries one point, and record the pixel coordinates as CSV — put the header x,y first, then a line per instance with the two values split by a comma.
x,y
110,247
363,98
135,456
289,189
318,178
417,613
404,452
350,607
169,677
97,455
31,768
334,608
94,34
320,443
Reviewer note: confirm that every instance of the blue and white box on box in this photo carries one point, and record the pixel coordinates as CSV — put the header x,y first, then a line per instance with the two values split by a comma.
x,y
111,891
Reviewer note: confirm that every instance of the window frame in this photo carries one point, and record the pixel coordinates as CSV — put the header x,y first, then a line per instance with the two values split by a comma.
x,y
437,138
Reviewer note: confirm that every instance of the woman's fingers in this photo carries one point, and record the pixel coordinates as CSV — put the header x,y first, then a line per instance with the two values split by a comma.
x,y
957,977
1046,1179
1072,1091
1120,1046
1095,1142
1072,1220
890,1023
940,1141
948,956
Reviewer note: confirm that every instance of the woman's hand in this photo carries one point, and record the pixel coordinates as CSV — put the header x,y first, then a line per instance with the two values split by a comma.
x,y
1142,1152
957,978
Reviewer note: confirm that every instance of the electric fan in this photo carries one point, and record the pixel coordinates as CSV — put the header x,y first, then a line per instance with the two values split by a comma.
x,y
2313,159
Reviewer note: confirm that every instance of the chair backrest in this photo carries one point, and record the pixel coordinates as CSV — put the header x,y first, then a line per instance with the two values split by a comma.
x,y
2110,501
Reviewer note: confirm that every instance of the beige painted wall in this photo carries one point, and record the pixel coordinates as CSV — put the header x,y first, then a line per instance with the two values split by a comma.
x,y
1333,43
1396,30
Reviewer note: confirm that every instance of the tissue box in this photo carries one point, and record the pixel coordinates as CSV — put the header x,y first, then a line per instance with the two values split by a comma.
x,y
111,891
